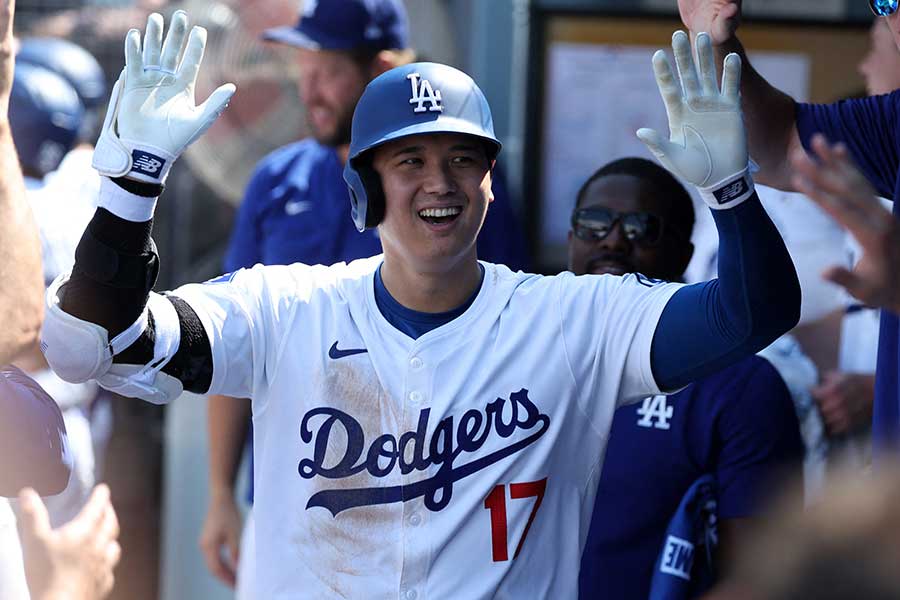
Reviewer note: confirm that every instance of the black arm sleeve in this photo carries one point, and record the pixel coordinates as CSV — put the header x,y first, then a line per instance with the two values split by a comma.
x,y
115,308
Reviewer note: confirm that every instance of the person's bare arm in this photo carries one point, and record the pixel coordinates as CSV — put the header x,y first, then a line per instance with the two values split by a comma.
x,y
228,419
22,290
768,112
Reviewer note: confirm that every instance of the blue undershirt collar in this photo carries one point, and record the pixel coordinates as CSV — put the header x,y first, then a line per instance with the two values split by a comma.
x,y
413,323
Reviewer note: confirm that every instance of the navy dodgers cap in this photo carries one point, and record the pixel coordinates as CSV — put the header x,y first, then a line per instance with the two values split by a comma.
x,y
346,25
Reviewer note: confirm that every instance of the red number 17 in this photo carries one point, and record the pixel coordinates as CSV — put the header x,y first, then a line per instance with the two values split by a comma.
x,y
496,503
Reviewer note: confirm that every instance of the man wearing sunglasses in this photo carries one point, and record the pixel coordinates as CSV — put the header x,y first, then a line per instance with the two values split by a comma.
x,y
783,135
720,439
627,221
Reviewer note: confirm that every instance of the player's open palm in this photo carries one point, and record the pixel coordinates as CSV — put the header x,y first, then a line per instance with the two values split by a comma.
x,y
152,116
835,184
707,143
719,18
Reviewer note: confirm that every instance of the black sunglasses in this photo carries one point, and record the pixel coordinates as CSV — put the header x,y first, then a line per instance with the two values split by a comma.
x,y
594,224
883,8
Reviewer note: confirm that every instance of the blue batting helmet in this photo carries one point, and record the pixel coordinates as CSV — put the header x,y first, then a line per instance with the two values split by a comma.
x,y
413,99
71,62
44,115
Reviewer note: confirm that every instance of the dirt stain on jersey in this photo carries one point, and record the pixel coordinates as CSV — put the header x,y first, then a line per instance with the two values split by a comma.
x,y
362,542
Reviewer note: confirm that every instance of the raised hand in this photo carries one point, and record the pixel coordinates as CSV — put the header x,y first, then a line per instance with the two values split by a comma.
x,y
152,115
719,18
836,185
707,144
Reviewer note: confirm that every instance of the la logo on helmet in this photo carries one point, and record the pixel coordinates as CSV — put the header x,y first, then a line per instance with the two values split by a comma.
x,y
423,93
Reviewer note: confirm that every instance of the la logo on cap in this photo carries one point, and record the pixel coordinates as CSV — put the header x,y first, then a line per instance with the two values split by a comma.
x,y
309,7
423,93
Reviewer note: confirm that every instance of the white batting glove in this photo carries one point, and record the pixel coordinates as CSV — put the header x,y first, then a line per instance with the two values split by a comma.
x,y
152,116
707,143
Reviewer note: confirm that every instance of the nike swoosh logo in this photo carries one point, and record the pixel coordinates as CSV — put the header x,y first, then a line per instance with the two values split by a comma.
x,y
295,207
335,353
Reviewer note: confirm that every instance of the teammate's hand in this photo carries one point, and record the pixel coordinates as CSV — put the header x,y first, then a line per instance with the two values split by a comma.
x,y
152,116
707,144
719,18
835,184
845,400
76,560
220,538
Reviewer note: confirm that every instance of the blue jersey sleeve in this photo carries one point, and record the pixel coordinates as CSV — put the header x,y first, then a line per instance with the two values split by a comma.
x,y
759,436
502,239
33,449
868,126
708,326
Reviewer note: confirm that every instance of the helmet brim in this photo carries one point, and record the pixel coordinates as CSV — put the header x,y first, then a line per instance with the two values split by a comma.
x,y
440,125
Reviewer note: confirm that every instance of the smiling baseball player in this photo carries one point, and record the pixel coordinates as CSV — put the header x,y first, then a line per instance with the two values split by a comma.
x,y
427,425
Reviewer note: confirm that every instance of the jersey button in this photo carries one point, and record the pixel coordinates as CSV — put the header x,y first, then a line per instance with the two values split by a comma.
x,y
416,363
410,595
415,397
415,519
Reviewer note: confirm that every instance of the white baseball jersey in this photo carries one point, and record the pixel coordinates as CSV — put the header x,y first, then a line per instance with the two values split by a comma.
x,y
462,464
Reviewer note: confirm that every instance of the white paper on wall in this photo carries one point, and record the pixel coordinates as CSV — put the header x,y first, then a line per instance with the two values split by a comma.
x,y
596,97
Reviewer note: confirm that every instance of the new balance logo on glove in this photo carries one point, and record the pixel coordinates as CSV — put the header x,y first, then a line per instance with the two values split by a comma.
x,y
731,191
146,163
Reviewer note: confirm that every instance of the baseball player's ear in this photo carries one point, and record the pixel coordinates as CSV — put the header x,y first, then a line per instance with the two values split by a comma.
x,y
491,186
383,61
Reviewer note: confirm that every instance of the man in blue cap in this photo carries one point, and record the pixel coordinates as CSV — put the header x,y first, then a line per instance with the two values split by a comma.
x,y
295,208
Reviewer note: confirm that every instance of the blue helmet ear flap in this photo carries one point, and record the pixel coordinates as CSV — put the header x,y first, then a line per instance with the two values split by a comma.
x,y
366,194
375,191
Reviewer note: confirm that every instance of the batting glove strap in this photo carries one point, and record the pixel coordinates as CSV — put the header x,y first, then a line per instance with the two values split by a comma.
x,y
149,164
123,203
729,192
